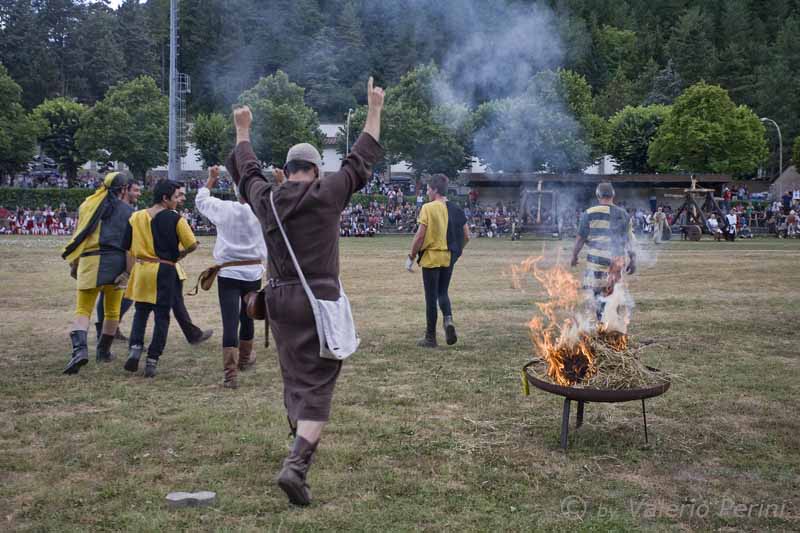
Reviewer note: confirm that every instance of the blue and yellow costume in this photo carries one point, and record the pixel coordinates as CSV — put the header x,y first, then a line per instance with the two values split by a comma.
x,y
608,232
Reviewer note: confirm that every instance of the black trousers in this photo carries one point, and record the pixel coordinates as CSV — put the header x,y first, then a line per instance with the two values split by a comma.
x,y
234,311
436,282
160,330
190,331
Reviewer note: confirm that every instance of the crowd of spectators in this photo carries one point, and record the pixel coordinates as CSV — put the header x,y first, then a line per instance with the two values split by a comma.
x,y
54,180
397,213
46,221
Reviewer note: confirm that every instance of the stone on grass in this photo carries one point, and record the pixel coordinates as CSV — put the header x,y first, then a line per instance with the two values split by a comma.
x,y
191,499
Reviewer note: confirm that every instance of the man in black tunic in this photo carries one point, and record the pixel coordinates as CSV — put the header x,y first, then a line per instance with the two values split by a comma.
x,y
310,207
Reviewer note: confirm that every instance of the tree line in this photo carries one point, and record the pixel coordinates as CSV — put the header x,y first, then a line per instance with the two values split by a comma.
x,y
620,59
550,127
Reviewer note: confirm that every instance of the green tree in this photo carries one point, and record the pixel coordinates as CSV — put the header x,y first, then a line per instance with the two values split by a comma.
x,y
707,132
550,127
666,87
357,120
776,93
619,92
325,92
631,132
18,130
213,135
433,137
136,44
128,125
103,61
565,88
61,118
23,49
521,135
691,48
796,152
62,19
351,58
280,118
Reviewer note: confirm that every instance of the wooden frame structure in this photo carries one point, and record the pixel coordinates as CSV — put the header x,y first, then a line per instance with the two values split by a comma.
x,y
696,215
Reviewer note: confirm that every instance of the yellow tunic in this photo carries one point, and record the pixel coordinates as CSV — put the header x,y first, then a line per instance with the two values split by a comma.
x,y
434,248
148,279
89,266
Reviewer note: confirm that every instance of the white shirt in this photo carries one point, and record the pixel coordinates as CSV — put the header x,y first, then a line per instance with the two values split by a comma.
x,y
239,236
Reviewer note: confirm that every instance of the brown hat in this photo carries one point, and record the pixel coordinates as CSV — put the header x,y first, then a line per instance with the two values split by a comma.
x,y
305,152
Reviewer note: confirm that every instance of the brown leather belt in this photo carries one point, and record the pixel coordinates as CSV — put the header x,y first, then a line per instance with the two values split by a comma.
x,y
207,276
154,260
239,263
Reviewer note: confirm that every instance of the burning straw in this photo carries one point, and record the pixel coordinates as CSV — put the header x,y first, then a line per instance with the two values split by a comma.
x,y
575,348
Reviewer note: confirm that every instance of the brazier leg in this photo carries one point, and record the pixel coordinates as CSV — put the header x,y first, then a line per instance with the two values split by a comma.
x,y
565,424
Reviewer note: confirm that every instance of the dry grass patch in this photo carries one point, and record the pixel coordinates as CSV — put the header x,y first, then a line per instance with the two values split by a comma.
x,y
420,439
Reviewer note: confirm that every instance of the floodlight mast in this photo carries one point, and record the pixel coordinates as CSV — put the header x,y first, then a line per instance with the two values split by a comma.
x,y
174,167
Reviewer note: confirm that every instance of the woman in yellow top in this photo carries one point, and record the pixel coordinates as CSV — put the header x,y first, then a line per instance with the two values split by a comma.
x,y
441,237
154,238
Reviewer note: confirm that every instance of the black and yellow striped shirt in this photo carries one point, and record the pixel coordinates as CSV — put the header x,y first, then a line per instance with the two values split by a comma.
x,y
607,230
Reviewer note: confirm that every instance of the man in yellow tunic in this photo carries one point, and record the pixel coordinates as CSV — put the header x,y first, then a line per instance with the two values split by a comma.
x,y
99,263
154,237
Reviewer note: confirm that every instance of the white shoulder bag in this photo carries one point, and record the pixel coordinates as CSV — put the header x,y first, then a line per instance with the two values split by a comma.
x,y
334,318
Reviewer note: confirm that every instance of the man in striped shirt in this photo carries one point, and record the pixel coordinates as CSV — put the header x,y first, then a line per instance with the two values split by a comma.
x,y
607,232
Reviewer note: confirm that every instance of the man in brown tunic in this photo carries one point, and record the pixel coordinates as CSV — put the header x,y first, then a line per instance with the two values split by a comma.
x,y
310,207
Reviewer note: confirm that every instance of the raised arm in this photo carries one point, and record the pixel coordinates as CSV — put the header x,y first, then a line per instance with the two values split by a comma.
x,y
209,206
357,165
375,102
244,167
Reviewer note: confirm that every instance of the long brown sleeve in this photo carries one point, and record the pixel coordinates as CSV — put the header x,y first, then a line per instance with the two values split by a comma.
x,y
253,185
356,170
230,166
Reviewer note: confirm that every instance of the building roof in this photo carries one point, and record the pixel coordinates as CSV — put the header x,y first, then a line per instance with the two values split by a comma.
x,y
330,131
516,179
788,181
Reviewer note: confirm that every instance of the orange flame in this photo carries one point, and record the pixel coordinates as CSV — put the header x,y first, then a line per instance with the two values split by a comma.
x,y
559,333
562,333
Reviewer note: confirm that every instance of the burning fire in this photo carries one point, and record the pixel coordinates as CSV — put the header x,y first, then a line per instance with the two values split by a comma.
x,y
564,330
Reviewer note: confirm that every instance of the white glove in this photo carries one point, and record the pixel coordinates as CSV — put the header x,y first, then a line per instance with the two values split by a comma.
x,y
409,264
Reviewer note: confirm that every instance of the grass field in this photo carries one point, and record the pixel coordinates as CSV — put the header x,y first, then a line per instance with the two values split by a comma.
x,y
419,440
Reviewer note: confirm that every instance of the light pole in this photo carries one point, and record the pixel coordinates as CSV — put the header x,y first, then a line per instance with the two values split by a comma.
x,y
780,144
347,133
172,145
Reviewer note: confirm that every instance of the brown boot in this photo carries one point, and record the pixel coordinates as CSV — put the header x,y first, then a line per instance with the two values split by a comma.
x,y
246,356
230,361
292,477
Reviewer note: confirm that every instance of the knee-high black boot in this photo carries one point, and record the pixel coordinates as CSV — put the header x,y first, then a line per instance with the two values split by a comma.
x,y
80,352
104,354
